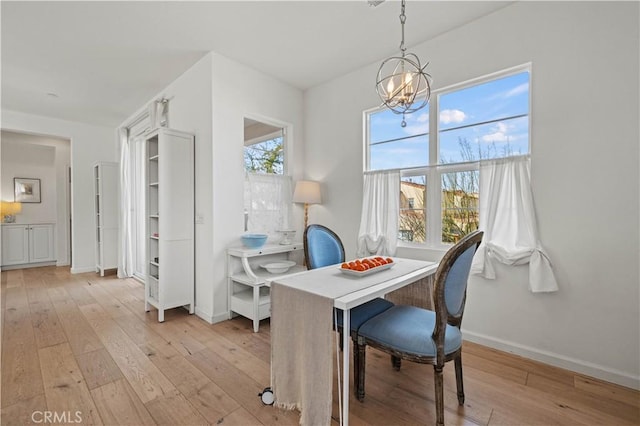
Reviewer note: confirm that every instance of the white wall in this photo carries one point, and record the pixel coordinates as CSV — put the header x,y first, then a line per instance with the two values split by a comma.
x,y
89,144
34,162
584,171
239,91
190,111
211,100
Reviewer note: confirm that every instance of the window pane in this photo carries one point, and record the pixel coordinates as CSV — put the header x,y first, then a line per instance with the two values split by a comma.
x,y
413,220
265,157
494,140
384,125
405,153
501,98
459,204
489,120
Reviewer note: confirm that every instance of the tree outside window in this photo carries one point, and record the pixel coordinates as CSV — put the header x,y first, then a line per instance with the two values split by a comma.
x,y
265,157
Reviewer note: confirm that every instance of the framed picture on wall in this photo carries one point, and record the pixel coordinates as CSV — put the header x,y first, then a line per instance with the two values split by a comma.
x,y
26,190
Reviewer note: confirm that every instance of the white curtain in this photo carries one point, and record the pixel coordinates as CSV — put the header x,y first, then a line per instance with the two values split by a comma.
x,y
380,210
267,201
126,256
507,217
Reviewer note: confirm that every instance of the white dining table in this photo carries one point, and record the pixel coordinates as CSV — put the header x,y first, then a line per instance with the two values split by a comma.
x,y
344,292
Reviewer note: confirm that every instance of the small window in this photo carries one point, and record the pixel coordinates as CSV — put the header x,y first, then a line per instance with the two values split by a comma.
x,y
263,148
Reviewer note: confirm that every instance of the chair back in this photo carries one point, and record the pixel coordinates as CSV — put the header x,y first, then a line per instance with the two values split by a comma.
x,y
322,247
450,284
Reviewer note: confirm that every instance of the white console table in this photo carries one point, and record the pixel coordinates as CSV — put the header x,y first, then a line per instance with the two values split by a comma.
x,y
248,283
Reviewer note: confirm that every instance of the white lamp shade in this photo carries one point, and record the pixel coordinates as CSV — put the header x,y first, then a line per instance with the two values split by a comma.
x,y
307,191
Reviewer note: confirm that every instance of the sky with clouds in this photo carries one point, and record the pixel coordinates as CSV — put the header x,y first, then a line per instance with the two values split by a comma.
x,y
488,116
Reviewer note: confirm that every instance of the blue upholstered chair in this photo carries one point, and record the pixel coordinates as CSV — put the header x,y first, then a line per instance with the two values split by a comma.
x,y
420,335
322,247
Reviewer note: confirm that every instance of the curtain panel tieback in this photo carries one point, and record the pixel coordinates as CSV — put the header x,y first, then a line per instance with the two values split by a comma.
x,y
541,277
508,219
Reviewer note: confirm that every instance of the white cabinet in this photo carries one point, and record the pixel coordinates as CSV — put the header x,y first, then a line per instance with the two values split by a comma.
x,y
15,244
170,220
28,244
105,185
249,283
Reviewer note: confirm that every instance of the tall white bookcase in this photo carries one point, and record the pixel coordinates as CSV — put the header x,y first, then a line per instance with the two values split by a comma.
x,y
170,220
105,177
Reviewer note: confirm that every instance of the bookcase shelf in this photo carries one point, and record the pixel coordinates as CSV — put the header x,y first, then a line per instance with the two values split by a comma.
x,y
105,187
170,221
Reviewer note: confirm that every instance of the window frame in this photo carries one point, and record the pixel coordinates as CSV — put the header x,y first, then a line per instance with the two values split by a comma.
x,y
434,171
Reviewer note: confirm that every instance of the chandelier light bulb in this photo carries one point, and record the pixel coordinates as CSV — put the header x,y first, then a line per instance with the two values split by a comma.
x,y
390,87
408,90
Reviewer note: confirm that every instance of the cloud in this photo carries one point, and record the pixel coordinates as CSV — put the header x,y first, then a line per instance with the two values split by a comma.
x,y
417,125
416,129
523,88
423,118
452,116
499,134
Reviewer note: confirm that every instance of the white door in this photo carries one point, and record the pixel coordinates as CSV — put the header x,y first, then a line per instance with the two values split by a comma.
x,y
41,247
15,244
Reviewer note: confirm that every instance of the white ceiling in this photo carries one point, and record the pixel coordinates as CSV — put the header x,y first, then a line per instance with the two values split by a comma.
x,y
104,60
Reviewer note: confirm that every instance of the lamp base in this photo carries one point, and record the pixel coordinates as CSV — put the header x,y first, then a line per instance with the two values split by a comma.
x,y
9,218
306,215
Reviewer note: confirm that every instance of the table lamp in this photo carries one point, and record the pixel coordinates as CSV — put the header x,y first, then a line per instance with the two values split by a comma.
x,y
8,210
307,192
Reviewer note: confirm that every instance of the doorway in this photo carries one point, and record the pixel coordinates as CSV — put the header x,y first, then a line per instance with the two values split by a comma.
x,y
47,158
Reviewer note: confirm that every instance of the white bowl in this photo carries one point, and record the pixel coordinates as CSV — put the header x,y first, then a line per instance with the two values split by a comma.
x,y
278,267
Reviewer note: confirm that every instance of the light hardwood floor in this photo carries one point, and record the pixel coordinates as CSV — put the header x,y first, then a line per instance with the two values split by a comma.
x,y
81,347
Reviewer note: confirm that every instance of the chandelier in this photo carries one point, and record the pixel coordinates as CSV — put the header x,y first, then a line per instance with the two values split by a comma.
x,y
402,83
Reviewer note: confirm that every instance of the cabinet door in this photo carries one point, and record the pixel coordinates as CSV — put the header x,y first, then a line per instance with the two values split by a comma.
x,y
15,245
41,243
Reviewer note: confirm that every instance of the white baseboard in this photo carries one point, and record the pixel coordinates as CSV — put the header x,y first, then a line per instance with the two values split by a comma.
x,y
62,263
220,317
204,315
83,269
211,319
579,366
28,265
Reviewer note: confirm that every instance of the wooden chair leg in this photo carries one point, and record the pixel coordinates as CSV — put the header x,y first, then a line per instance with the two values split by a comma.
x,y
358,370
437,376
459,384
396,362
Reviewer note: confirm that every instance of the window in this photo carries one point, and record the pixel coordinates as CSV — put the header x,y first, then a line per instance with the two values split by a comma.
x,y
438,154
263,148
267,187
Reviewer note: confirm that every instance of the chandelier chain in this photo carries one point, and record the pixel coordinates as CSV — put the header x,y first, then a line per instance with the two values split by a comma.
x,y
403,19
402,83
